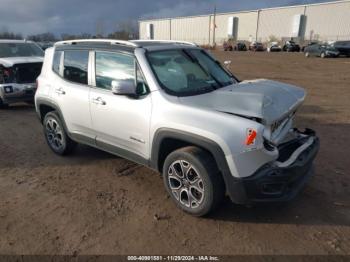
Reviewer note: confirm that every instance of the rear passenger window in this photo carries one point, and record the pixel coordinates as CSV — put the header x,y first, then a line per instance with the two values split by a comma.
x,y
76,66
57,62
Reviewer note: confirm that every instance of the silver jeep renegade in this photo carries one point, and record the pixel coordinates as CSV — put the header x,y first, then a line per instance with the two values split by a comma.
x,y
172,107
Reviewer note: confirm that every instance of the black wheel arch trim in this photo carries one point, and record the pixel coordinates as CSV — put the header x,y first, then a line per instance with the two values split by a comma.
x,y
233,188
40,102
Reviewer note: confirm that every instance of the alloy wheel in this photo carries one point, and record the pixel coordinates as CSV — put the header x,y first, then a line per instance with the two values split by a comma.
x,y
54,134
186,184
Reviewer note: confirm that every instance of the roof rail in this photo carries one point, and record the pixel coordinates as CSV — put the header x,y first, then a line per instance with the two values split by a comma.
x,y
111,41
166,41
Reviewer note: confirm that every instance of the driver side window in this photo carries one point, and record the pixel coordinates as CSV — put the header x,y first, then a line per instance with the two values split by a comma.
x,y
116,67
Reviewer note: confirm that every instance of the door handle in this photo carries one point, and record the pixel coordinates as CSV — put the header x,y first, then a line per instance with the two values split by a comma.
x,y
98,101
60,91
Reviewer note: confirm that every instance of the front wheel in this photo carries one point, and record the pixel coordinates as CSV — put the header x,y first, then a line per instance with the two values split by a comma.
x,y
193,180
307,54
56,136
323,55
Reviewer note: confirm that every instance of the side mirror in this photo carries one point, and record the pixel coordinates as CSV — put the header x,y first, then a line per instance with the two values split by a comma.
x,y
123,87
227,64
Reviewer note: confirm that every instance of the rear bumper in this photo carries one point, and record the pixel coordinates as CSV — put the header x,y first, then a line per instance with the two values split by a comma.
x,y
12,93
280,180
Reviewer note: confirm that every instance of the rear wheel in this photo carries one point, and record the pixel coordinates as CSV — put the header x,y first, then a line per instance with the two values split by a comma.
x,y
193,180
307,54
56,136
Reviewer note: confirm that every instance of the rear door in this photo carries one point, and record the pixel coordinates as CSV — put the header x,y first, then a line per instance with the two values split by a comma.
x,y
314,49
121,122
71,91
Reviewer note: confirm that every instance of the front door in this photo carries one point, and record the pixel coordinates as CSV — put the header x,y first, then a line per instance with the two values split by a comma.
x,y
121,122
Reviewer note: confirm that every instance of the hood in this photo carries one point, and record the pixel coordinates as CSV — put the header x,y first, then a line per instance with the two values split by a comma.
x,y
10,61
264,99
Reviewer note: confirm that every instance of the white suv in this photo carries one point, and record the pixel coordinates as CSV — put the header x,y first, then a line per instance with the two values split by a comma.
x,y
172,107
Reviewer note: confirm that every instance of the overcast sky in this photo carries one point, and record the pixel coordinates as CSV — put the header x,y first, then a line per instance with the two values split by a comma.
x,y
78,16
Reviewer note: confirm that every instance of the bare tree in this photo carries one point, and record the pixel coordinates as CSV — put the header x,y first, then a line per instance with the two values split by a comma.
x,y
44,37
5,34
126,30
99,28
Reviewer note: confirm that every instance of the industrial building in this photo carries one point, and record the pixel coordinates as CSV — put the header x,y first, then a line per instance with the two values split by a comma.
x,y
323,21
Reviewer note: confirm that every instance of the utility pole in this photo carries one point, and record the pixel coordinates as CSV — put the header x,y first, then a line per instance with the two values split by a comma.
x,y
214,26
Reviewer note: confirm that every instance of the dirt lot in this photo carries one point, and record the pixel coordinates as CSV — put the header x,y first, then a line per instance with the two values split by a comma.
x,y
96,203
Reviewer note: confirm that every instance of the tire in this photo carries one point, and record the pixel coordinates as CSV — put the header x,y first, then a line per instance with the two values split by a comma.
x,y
323,55
194,170
56,136
307,54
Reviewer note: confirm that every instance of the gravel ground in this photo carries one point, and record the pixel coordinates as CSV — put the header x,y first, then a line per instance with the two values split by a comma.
x,y
95,203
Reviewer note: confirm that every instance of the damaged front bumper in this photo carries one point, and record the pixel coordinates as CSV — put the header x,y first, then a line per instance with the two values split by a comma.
x,y
13,92
282,179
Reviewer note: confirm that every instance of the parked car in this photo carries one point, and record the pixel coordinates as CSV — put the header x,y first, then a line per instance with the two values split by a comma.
x,y
171,106
321,50
240,46
274,47
291,46
311,43
20,65
227,46
343,47
256,46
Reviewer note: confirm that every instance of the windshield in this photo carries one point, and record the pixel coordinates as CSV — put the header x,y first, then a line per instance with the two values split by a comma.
x,y
330,48
188,71
20,50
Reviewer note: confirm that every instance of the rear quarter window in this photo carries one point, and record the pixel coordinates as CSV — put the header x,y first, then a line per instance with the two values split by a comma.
x,y
76,66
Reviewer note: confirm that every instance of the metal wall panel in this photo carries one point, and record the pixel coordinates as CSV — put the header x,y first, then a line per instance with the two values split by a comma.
x,y
193,29
277,22
328,21
161,29
246,26
142,29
